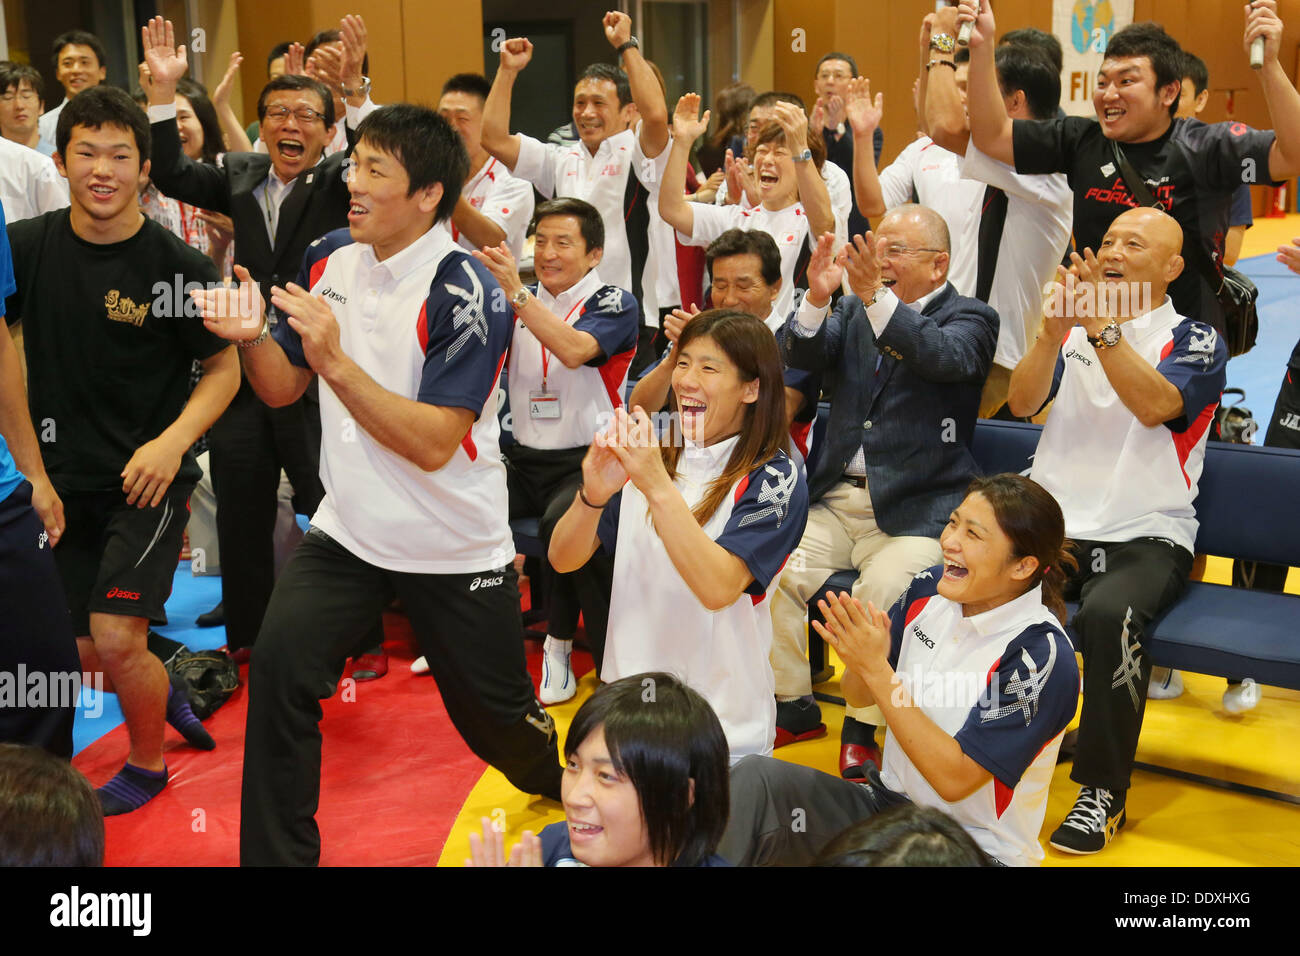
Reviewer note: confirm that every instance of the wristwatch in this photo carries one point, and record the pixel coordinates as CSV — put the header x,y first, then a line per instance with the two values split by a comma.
x,y
362,90
943,42
1108,337
803,157
520,298
875,296
632,43
251,343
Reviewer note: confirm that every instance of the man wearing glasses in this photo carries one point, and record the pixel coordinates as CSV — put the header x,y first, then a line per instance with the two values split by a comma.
x,y
280,202
910,357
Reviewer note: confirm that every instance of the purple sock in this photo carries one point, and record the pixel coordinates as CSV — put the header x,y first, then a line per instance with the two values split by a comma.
x,y
131,789
180,716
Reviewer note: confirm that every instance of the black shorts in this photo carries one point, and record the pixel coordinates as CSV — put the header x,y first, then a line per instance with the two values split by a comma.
x,y
115,558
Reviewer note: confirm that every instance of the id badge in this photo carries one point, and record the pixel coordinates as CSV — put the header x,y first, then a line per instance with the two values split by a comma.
x,y
543,405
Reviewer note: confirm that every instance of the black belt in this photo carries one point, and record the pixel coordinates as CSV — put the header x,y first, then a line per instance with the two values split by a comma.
x,y
857,481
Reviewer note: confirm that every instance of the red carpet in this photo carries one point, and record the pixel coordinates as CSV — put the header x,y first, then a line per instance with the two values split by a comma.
x,y
394,775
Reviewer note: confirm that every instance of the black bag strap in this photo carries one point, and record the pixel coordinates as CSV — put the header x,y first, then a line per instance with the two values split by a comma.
x,y
1138,187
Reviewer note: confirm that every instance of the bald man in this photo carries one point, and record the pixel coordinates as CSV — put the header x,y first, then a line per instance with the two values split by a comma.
x,y
1135,387
910,357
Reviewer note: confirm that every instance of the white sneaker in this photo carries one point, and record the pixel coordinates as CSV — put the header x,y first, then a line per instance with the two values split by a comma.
x,y
420,665
1239,698
1166,684
558,682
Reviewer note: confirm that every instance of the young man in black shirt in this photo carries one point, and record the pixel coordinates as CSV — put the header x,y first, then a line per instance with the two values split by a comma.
x,y
110,341
1191,168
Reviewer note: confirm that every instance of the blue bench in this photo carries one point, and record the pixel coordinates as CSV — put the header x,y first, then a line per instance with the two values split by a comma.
x,y
1248,509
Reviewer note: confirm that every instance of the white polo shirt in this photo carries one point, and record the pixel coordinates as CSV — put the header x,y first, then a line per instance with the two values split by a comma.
x,y
600,180
1040,215
788,227
1114,478
837,187
30,183
425,325
587,396
1005,685
505,199
936,174
47,126
656,623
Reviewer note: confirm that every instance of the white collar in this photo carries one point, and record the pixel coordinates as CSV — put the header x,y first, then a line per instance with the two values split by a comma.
x,y
1015,614
706,459
1162,316
920,304
431,246
580,291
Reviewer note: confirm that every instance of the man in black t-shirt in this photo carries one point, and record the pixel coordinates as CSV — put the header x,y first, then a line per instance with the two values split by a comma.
x,y
110,338
1192,169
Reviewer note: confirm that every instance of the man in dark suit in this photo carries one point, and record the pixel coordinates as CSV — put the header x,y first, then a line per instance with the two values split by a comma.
x,y
909,357
280,202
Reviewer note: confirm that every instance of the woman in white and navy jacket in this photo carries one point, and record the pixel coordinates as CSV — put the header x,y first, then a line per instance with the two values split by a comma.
x,y
701,517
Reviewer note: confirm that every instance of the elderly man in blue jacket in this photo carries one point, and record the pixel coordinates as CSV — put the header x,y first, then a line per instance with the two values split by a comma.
x,y
908,357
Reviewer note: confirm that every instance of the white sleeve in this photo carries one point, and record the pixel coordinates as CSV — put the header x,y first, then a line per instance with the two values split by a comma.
x,y
809,318
1050,189
537,164
711,222
897,179
882,310
649,172
837,186
164,112
509,204
49,188
355,114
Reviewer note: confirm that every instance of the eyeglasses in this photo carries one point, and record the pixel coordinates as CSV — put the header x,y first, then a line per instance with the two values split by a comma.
x,y
303,114
26,96
898,251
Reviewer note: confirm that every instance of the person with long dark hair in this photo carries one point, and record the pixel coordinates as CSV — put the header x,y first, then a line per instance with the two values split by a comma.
x,y
710,512
645,784
977,681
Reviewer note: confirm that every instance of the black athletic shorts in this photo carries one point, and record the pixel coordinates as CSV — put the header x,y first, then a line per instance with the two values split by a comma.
x,y
115,558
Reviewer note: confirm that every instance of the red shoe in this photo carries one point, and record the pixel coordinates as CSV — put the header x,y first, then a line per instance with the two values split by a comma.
x,y
797,720
854,758
369,667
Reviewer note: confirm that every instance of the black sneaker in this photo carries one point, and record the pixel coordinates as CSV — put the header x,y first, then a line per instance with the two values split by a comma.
x,y
798,720
1097,816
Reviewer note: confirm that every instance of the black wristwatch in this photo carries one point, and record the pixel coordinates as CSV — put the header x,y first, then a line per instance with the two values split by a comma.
x,y
632,43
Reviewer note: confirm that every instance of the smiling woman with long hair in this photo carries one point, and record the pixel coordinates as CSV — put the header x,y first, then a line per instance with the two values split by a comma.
x,y
701,520
977,680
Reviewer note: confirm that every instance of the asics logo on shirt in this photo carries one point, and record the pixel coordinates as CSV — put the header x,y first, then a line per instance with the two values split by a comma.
x,y
485,582
921,636
336,296
1027,689
468,314
775,496
119,593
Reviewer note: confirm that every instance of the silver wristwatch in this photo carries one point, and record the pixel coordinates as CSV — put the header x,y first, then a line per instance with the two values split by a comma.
x,y
362,90
1108,337
251,343
520,298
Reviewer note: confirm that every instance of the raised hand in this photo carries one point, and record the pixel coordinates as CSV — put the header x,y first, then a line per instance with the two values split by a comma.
x,y
352,32
221,94
234,312
859,635
166,61
824,271
490,848
864,114
515,54
637,447
325,64
861,259
618,28
501,263
687,124
675,321
794,121
1262,21
313,319
293,64
834,110
603,475
817,121
981,13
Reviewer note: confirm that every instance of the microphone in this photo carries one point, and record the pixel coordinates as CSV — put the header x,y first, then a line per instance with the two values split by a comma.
x,y
1257,53
963,34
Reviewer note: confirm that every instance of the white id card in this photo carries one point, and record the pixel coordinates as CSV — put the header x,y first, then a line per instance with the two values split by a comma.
x,y
543,405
